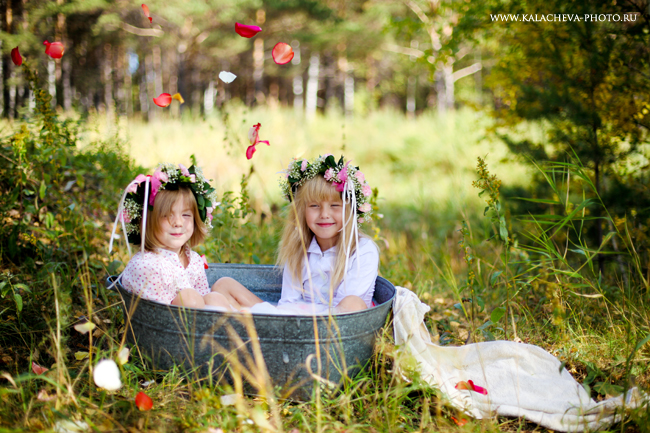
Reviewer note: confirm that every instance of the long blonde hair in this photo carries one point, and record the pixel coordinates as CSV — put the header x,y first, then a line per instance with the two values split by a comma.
x,y
297,236
165,200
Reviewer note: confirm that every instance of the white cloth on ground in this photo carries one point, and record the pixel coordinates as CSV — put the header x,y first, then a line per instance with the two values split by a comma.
x,y
522,380
314,291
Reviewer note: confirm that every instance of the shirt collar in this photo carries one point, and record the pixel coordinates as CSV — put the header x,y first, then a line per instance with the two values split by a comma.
x,y
315,248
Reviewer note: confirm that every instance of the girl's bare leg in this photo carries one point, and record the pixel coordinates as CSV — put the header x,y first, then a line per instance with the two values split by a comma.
x,y
235,293
189,298
349,304
217,300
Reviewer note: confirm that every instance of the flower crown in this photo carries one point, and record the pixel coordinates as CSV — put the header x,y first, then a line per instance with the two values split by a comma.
x,y
340,174
170,177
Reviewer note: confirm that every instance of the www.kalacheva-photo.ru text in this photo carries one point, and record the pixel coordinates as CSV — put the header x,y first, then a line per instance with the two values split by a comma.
x,y
626,17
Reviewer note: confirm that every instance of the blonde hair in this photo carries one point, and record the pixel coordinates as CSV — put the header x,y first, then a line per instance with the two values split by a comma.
x,y
165,201
297,235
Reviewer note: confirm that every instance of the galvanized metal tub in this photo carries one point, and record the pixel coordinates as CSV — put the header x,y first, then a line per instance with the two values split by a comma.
x,y
205,342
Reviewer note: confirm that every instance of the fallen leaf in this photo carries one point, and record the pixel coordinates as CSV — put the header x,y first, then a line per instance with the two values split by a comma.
x,y
85,327
66,426
247,31
54,49
179,98
44,396
227,77
163,100
282,53
107,375
16,57
37,369
145,9
80,355
143,401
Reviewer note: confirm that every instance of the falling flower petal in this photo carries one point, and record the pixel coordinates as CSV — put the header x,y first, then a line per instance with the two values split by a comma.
x,y
37,369
460,422
123,355
16,57
254,138
85,327
54,49
143,401
282,53
145,9
205,261
107,375
163,100
179,98
250,150
227,77
247,31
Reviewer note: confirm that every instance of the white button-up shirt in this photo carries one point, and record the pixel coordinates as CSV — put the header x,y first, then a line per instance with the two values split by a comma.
x,y
315,290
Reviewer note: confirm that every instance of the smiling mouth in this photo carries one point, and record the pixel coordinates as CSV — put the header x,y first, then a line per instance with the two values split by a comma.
x,y
325,224
176,234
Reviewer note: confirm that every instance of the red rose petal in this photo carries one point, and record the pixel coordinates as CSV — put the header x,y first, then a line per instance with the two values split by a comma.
x,y
247,31
145,9
282,53
205,262
54,49
143,401
477,388
37,369
16,57
250,151
163,100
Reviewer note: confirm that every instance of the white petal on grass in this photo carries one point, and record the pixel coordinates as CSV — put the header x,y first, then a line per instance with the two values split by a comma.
x,y
123,355
227,77
107,375
65,426
85,327
228,399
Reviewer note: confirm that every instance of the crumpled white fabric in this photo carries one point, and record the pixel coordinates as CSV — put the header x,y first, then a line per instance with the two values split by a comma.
x,y
522,380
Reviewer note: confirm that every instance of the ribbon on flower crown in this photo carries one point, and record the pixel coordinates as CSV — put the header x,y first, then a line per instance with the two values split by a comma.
x,y
120,212
348,192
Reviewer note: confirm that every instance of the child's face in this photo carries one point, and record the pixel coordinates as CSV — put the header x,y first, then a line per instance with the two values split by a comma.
x,y
176,228
325,219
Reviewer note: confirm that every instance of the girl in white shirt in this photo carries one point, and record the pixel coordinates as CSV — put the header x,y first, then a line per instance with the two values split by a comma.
x,y
328,264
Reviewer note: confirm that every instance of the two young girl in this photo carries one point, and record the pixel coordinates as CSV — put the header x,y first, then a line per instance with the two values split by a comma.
x,y
328,264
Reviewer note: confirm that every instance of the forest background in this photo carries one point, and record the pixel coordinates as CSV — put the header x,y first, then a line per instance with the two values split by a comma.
x,y
550,248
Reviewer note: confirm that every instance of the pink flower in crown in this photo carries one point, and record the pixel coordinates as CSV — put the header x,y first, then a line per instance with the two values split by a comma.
x,y
161,175
361,220
366,190
125,217
184,170
329,174
360,176
155,186
134,186
327,154
366,207
303,166
193,178
343,174
340,186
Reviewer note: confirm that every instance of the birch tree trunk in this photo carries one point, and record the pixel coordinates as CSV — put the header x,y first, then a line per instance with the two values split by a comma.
x,y
312,86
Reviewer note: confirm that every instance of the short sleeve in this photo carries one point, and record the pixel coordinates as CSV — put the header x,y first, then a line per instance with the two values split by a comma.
x,y
362,274
196,271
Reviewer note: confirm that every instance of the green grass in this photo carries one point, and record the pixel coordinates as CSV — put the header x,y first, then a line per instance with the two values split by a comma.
x,y
423,169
